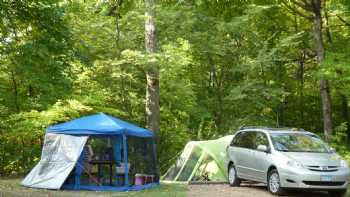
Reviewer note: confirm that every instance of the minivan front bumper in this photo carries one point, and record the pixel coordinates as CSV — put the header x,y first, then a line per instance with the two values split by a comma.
x,y
307,179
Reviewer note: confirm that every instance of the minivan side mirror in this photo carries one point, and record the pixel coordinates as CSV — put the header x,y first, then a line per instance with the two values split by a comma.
x,y
262,148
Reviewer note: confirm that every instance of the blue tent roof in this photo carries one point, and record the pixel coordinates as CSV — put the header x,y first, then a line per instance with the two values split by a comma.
x,y
99,124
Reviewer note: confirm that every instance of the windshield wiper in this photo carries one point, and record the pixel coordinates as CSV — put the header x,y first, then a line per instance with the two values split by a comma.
x,y
310,151
294,151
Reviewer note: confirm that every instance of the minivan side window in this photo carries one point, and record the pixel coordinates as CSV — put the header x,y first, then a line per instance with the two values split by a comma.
x,y
261,139
236,139
244,140
248,140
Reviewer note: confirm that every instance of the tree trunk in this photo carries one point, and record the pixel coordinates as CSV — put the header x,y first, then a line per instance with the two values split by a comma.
x,y
301,86
326,108
15,91
152,71
215,82
324,85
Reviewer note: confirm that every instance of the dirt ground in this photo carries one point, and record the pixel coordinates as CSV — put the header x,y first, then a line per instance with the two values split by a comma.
x,y
246,190
10,187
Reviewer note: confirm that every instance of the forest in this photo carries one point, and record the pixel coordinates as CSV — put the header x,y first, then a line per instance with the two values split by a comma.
x,y
187,70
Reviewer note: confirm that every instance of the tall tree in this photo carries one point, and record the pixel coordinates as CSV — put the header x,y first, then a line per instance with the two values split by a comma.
x,y
312,10
152,71
324,84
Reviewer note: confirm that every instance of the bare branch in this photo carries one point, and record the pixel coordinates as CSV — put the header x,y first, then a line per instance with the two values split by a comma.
x,y
343,20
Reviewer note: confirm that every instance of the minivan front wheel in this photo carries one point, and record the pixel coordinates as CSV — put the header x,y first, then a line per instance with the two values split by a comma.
x,y
232,176
274,183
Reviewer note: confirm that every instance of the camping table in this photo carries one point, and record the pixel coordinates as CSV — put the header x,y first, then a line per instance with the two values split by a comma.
x,y
99,163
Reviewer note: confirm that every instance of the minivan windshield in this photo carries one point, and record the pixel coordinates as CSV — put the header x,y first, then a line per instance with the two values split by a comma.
x,y
298,142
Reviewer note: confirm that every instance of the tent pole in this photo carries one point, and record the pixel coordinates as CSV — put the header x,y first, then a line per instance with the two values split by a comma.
x,y
78,171
155,163
115,151
126,170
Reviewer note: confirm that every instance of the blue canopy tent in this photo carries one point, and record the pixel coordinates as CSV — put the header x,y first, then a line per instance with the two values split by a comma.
x,y
64,158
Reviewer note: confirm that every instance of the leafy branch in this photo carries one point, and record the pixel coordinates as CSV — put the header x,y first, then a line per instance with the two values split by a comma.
x,y
305,6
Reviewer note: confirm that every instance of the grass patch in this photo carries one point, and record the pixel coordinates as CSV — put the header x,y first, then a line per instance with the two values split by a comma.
x,y
11,187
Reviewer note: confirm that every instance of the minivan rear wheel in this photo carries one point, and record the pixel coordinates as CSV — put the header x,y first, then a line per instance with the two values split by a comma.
x,y
274,183
233,180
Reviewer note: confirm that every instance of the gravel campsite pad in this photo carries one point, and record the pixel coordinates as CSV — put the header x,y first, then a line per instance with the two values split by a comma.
x,y
11,188
246,190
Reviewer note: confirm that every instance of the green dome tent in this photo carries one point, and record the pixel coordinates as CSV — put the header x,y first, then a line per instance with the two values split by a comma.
x,y
200,161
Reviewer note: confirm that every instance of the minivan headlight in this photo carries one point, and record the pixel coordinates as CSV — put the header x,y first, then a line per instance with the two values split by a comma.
x,y
293,163
343,164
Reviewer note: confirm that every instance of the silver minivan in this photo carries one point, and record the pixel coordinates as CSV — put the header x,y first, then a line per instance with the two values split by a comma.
x,y
286,158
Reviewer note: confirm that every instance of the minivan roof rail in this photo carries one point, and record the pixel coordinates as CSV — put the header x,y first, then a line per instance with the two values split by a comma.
x,y
271,128
254,127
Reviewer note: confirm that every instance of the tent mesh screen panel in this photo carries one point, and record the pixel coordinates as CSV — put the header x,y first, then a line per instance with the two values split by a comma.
x,y
208,170
141,157
97,149
70,179
190,164
175,169
204,159
100,150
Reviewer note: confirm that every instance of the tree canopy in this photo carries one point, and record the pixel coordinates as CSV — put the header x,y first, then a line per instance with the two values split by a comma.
x,y
221,64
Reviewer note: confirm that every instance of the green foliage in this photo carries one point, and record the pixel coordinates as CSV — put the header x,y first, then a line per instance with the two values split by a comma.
x,y
22,134
223,64
340,141
35,50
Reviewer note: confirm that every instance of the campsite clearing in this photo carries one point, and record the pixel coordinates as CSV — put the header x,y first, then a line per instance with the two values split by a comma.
x,y
11,188
245,190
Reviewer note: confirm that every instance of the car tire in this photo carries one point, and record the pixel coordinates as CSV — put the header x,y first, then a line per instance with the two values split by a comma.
x,y
337,193
274,183
233,180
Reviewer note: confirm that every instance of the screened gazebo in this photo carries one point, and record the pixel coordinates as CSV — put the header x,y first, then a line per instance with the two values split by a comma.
x,y
97,152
